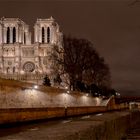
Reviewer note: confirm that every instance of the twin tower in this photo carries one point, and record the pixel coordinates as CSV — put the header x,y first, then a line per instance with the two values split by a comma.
x,y
20,58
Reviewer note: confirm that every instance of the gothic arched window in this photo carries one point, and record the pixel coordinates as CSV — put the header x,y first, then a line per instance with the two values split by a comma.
x,y
43,35
48,35
24,38
8,35
14,35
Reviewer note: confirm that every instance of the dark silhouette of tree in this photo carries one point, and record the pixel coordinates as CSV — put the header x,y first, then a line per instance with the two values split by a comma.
x,y
81,86
56,57
86,70
57,79
112,92
46,81
133,2
94,89
82,63
101,75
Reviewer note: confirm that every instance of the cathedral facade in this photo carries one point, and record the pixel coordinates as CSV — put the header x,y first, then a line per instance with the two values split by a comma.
x,y
20,59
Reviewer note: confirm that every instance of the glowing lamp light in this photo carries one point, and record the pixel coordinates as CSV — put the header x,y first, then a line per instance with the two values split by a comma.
x,y
87,95
66,87
35,87
68,91
118,94
96,93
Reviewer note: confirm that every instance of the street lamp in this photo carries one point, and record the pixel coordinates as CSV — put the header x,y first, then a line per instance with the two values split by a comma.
x,y
118,94
66,87
87,95
65,100
68,91
35,86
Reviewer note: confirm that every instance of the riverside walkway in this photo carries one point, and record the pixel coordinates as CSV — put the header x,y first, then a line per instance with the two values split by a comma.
x,y
103,126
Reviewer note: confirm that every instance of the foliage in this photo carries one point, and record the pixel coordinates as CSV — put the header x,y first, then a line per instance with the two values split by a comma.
x,y
57,79
94,90
84,65
46,81
86,70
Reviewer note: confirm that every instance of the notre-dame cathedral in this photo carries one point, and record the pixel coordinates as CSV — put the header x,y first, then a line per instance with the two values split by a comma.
x,y
20,59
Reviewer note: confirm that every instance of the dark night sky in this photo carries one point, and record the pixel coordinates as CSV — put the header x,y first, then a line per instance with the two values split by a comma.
x,y
113,27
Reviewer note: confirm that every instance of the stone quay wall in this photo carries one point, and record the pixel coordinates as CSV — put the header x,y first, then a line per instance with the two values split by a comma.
x,y
23,102
29,97
14,115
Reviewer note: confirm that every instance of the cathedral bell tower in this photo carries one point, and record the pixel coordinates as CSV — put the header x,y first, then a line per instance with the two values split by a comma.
x,y
23,60
13,33
47,36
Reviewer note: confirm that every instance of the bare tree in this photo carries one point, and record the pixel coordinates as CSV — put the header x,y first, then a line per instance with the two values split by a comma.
x,y
82,63
98,74
133,2
79,61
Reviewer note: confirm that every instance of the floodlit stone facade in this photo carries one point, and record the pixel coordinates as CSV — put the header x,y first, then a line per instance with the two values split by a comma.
x,y
21,59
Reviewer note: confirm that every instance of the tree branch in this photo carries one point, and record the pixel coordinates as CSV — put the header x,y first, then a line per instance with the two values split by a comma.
x,y
134,2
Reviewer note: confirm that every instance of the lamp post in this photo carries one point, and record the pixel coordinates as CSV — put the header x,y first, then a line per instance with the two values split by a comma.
x,y
65,103
65,99
35,86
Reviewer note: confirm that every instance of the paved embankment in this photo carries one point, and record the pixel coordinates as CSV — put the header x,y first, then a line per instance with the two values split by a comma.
x,y
107,126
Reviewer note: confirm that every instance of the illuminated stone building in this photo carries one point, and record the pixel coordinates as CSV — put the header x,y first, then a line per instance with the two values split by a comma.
x,y
20,59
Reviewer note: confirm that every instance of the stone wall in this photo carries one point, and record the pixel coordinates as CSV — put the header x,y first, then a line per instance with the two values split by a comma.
x,y
29,114
29,97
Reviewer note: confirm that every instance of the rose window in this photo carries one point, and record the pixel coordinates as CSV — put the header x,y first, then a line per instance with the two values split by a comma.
x,y
29,67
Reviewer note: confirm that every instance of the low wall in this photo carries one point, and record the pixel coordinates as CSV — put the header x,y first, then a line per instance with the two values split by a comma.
x,y
27,114
72,111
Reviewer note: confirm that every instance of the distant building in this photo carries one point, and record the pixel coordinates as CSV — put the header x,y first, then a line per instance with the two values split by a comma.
x,y
21,59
